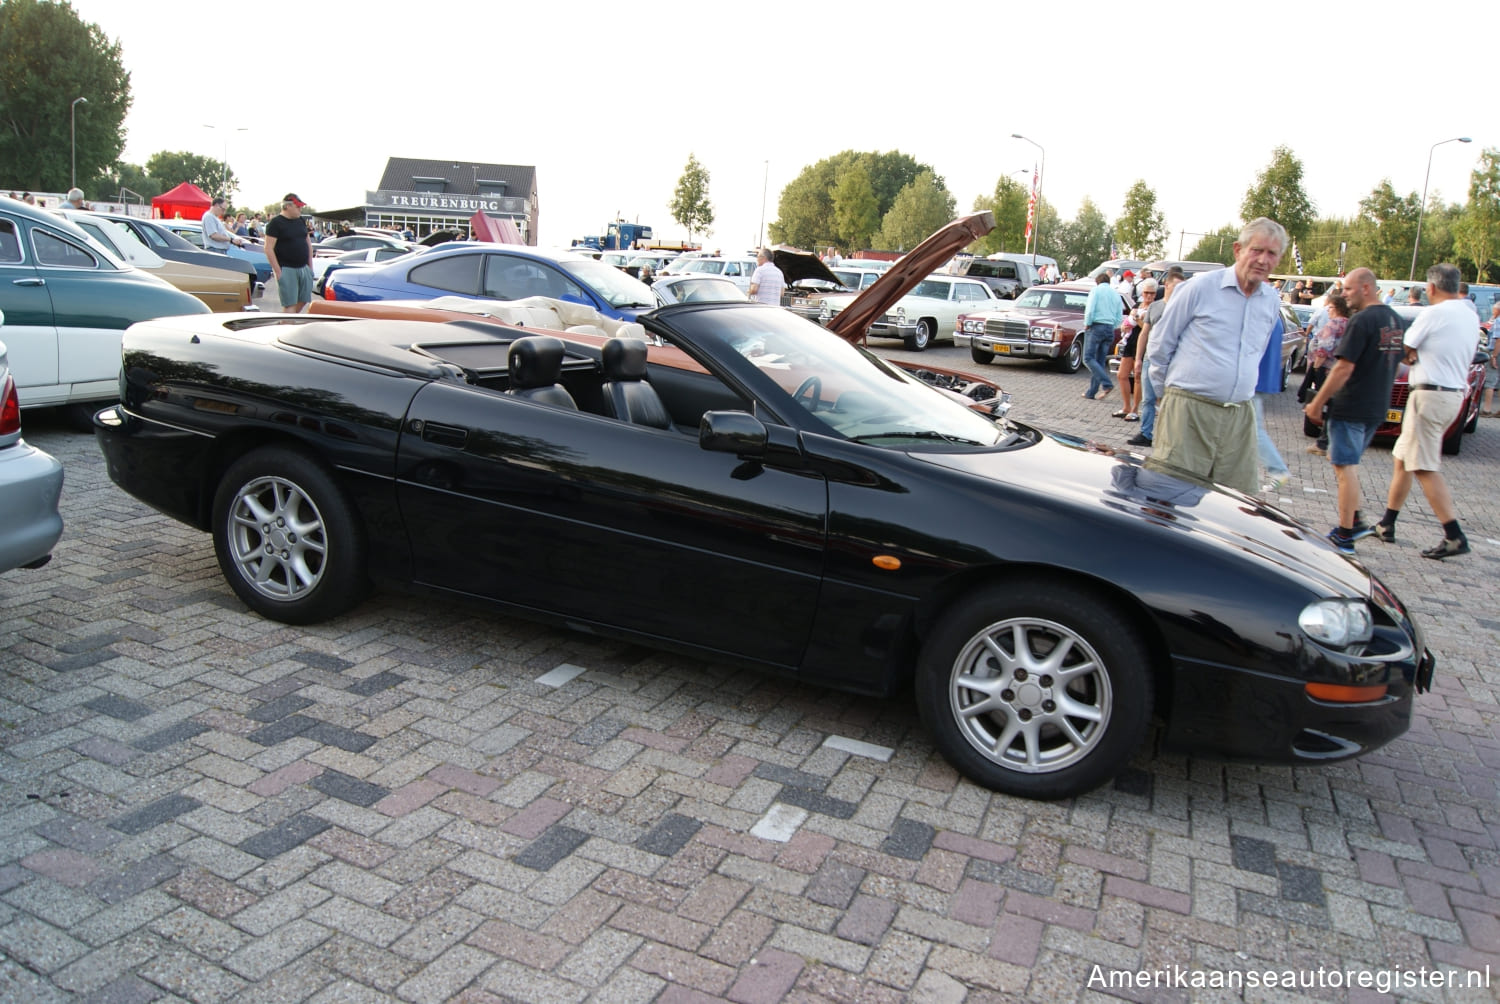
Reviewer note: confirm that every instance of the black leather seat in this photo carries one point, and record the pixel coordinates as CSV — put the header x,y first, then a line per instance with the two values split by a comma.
x,y
535,363
627,395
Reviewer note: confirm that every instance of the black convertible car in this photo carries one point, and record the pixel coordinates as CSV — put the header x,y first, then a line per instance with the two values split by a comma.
x,y
770,494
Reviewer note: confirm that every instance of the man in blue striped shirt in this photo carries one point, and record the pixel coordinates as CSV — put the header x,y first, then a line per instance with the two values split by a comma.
x,y
1205,355
1101,316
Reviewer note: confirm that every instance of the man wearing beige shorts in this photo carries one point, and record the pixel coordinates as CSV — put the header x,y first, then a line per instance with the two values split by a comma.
x,y
1440,346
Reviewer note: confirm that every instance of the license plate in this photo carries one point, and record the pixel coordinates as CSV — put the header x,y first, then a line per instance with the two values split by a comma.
x,y
1003,350
1394,415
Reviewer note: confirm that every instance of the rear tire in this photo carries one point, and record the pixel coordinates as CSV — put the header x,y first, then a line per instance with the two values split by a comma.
x,y
1035,689
288,542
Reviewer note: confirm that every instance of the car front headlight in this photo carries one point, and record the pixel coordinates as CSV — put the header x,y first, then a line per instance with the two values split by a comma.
x,y
825,311
1337,623
973,326
899,313
1044,334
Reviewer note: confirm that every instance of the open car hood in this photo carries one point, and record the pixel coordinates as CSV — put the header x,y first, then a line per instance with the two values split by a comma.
x,y
799,266
927,257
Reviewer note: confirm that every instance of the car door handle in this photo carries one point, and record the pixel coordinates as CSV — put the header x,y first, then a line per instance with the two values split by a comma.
x,y
28,282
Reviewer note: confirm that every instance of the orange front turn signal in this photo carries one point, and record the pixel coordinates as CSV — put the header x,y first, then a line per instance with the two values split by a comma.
x,y
1344,694
886,561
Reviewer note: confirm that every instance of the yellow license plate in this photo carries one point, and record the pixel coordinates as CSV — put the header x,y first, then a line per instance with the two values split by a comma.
x,y
1394,415
1003,350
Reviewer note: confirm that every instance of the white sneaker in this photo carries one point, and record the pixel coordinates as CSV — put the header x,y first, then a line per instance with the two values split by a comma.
x,y
1279,482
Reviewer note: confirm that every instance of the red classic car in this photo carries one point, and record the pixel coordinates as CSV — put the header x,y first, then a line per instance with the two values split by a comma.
x,y
1043,323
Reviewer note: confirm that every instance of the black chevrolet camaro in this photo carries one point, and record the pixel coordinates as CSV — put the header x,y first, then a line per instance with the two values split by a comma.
x,y
764,492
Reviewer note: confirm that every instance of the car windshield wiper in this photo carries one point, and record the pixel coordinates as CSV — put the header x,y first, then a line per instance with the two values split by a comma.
x,y
914,434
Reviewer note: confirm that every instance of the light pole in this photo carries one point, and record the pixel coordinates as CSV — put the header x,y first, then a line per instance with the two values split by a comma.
x,y
1423,211
1036,238
224,164
765,185
73,134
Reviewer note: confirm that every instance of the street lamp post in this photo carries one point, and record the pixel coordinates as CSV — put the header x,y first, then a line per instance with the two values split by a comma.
x,y
1423,211
73,134
1036,238
224,164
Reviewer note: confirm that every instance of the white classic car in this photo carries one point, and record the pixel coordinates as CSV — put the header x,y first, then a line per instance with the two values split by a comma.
x,y
929,312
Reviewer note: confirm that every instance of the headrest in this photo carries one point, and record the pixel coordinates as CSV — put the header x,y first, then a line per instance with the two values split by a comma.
x,y
535,361
624,359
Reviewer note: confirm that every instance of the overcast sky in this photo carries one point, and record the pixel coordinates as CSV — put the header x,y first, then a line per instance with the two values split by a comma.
x,y
607,100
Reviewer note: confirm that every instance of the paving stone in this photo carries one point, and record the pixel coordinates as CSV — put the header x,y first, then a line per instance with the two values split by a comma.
x,y
122,708
1254,855
290,833
670,835
348,789
351,740
909,839
169,736
281,730
551,847
281,707
376,683
154,814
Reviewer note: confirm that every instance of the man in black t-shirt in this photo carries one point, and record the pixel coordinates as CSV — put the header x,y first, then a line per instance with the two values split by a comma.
x,y
290,253
1357,391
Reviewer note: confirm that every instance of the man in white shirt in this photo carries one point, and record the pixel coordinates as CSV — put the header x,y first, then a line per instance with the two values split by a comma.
x,y
216,236
766,282
1440,346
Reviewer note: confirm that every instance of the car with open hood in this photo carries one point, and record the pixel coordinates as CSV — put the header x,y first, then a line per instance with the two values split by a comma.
x,y
731,481
928,313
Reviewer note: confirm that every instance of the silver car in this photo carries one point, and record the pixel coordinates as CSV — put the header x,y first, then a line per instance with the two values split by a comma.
x,y
30,485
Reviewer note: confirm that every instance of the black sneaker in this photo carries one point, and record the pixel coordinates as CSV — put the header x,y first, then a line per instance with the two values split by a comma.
x,y
1447,548
1341,544
1385,532
1139,440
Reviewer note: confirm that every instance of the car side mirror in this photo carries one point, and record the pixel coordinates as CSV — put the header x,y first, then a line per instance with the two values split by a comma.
x,y
736,432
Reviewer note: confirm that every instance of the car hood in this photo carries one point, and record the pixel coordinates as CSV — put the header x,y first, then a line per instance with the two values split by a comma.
x,y
916,265
1095,478
799,266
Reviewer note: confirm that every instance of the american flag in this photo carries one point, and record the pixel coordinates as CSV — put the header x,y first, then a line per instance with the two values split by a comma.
x,y
1297,256
1031,207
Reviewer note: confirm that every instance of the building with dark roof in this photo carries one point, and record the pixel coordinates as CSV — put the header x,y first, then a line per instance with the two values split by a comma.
x,y
431,195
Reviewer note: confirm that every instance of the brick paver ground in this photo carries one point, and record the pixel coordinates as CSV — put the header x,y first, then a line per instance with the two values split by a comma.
x,y
424,800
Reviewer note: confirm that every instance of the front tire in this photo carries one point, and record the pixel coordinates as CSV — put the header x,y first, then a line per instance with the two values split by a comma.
x,y
918,342
981,356
1034,689
288,541
1071,361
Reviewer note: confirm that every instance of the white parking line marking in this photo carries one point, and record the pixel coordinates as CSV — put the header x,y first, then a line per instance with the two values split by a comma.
x,y
561,675
881,753
779,823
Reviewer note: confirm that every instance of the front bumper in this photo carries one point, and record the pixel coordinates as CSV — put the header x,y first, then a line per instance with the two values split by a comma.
x,y
1021,348
1244,714
888,328
30,487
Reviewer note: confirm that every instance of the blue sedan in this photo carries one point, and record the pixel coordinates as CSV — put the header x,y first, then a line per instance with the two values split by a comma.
x,y
496,272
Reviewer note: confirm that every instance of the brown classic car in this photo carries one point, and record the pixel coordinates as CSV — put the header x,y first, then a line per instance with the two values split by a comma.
x,y
1045,322
584,324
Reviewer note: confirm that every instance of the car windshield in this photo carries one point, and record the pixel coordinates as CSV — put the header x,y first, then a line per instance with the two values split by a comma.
x,y
617,288
850,391
934,288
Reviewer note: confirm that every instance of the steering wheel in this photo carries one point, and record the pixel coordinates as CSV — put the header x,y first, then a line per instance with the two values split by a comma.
x,y
812,389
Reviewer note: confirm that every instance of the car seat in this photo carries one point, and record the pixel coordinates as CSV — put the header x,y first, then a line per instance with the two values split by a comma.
x,y
627,395
535,363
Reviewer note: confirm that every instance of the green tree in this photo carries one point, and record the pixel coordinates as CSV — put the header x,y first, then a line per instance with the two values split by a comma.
x,y
111,185
1385,231
49,57
920,209
1008,203
1082,242
856,212
690,206
805,212
173,167
1217,246
1476,234
1141,230
1278,194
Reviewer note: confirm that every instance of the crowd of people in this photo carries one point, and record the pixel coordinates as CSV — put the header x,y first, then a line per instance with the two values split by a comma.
x,y
1200,357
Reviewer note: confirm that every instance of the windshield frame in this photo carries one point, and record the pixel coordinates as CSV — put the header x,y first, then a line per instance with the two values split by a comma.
x,y
860,396
615,287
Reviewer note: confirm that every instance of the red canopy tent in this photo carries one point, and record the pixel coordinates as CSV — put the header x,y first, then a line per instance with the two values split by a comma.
x,y
186,200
